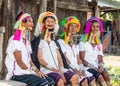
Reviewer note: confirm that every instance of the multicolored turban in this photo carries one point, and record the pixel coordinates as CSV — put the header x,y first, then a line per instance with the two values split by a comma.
x,y
18,25
88,36
65,23
39,25
70,20
88,25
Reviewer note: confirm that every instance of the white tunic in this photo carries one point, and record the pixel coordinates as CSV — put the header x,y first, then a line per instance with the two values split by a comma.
x,y
10,62
91,54
49,55
71,54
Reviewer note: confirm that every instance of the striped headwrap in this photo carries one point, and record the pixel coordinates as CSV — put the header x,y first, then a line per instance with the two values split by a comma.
x,y
18,25
65,23
88,36
39,26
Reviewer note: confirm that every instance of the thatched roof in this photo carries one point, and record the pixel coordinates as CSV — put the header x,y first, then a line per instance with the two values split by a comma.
x,y
108,4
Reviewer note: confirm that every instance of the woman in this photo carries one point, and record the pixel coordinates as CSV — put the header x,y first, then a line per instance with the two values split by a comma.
x,y
48,54
18,60
91,51
68,45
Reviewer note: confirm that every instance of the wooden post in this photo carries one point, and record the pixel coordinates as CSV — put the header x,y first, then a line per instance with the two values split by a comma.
x,y
1,11
55,6
43,6
0,3
118,29
2,31
95,8
52,6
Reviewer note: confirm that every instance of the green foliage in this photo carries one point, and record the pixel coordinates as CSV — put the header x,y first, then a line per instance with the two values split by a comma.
x,y
110,15
118,0
115,75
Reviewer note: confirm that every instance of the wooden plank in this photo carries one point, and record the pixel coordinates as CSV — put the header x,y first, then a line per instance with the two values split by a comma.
x,y
11,83
72,6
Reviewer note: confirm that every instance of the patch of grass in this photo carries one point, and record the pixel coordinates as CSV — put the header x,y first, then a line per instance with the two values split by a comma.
x,y
115,75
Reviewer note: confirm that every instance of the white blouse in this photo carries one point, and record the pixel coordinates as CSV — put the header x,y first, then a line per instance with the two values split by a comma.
x,y
70,51
10,62
91,54
71,54
49,55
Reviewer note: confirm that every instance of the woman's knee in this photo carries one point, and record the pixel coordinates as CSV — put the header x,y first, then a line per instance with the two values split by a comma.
x,y
84,82
60,82
93,82
106,76
74,78
100,78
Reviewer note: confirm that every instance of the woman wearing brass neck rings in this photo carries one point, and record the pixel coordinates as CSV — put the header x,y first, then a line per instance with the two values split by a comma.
x,y
48,54
69,47
91,51
18,59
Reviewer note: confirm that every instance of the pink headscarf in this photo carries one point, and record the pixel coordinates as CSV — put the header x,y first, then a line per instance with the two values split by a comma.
x,y
18,26
88,24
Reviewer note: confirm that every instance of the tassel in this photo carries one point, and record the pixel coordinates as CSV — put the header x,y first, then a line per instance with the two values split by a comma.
x,y
43,28
17,35
62,35
108,83
66,38
103,84
16,24
20,26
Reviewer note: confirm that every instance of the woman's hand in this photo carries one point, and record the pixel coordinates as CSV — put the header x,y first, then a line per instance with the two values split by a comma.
x,y
55,70
59,72
40,74
83,73
100,69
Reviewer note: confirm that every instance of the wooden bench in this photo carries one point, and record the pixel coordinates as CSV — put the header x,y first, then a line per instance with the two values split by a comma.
x,y
11,83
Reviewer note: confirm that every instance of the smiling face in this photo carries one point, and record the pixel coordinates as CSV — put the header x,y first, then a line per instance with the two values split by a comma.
x,y
95,27
73,28
49,23
29,23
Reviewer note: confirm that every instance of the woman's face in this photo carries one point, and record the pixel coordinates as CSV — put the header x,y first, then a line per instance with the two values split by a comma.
x,y
72,28
49,23
95,27
29,24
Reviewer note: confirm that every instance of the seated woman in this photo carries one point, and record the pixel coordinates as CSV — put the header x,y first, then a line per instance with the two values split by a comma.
x,y
18,61
68,45
91,51
48,54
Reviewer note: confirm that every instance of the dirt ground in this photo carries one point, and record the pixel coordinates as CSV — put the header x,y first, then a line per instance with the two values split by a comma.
x,y
112,60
